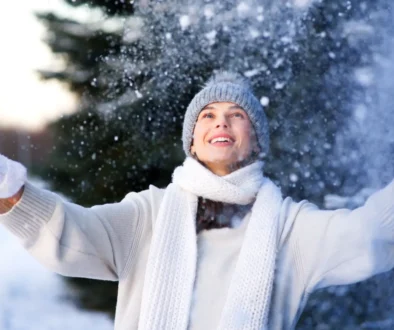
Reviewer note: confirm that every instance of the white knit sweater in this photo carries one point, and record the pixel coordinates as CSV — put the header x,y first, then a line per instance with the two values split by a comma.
x,y
111,242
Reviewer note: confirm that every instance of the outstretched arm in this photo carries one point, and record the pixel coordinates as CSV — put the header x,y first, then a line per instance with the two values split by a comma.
x,y
98,242
344,246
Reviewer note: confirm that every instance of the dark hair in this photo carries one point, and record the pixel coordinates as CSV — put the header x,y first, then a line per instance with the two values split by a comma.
x,y
212,214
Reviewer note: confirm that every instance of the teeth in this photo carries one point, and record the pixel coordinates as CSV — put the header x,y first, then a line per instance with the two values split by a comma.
x,y
220,139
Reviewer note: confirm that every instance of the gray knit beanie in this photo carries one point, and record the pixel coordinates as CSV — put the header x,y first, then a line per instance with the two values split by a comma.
x,y
227,87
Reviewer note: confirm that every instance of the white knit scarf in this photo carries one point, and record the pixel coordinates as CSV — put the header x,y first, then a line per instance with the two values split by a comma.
x,y
171,268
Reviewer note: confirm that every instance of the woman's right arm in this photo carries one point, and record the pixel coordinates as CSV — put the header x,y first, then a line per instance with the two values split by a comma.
x,y
98,242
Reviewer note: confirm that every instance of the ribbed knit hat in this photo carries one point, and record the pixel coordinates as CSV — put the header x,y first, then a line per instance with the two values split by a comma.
x,y
227,87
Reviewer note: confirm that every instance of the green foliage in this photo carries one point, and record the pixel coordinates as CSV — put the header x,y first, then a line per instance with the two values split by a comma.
x,y
95,160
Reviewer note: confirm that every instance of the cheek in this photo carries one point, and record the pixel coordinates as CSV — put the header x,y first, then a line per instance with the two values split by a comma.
x,y
245,132
198,134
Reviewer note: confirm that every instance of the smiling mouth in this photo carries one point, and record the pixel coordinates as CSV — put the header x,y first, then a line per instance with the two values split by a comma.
x,y
221,141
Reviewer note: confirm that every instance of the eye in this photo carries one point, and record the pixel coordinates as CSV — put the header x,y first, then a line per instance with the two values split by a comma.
x,y
207,115
238,115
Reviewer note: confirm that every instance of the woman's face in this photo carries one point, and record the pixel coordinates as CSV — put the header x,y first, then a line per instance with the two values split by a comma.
x,y
223,137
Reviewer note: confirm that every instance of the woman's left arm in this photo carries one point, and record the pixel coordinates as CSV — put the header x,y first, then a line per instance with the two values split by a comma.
x,y
343,246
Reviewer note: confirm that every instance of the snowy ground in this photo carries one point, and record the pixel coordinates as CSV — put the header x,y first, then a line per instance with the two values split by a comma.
x,y
33,298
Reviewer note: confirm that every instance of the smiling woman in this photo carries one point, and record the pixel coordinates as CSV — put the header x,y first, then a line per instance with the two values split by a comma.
x,y
219,247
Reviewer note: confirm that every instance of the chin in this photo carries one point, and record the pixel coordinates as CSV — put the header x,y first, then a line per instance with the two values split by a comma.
x,y
222,161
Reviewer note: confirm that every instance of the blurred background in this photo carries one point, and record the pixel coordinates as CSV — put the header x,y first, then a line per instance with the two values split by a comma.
x,y
93,95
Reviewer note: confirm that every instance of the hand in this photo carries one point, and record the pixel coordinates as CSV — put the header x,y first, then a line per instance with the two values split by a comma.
x,y
12,177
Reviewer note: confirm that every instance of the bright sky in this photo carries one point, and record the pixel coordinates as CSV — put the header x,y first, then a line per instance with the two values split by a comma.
x,y
25,100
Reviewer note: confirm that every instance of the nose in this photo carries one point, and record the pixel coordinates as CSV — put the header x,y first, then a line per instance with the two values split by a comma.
x,y
221,122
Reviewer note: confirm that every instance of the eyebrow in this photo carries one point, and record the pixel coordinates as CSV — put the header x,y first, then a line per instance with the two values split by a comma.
x,y
233,107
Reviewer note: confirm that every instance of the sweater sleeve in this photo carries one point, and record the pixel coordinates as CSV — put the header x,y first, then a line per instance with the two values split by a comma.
x,y
98,242
343,246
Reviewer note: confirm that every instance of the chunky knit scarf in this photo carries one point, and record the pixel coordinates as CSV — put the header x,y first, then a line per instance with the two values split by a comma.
x,y
171,267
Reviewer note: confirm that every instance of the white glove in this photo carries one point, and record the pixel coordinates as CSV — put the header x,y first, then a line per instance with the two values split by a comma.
x,y
12,177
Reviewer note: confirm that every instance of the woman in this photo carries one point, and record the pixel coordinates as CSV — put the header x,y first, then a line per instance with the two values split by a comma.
x,y
256,265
